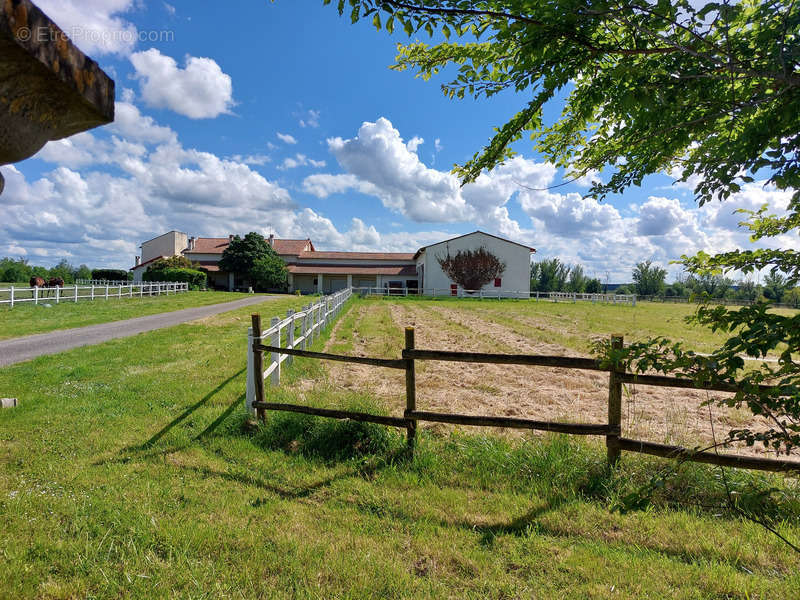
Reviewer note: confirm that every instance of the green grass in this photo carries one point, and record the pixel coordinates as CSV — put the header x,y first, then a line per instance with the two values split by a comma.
x,y
126,472
574,324
27,318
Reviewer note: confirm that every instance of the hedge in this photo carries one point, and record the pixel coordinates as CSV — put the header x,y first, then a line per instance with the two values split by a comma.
x,y
196,279
111,274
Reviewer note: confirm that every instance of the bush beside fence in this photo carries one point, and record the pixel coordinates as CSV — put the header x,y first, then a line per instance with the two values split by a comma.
x,y
73,293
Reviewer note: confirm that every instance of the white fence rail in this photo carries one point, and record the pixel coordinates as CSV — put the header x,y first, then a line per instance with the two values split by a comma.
x,y
103,281
498,295
301,328
73,293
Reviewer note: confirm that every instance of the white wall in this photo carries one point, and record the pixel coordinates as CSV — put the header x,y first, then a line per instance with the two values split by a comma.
x,y
516,277
169,244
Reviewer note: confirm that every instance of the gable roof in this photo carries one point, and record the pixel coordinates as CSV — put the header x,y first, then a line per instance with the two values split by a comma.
x,y
458,237
218,245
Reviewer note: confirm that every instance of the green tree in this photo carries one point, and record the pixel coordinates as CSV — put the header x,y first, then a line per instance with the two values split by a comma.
x,y
648,279
269,274
594,286
14,271
253,258
82,272
711,91
172,262
549,275
775,285
577,280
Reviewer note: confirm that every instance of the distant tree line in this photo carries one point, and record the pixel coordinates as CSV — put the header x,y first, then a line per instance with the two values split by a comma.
x,y
20,271
552,275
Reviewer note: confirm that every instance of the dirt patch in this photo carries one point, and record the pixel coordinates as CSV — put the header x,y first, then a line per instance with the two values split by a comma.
x,y
656,414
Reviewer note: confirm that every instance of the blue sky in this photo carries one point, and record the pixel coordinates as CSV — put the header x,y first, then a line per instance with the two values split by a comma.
x,y
284,118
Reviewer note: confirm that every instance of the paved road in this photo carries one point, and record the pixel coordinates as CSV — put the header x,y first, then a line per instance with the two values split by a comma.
x,y
25,348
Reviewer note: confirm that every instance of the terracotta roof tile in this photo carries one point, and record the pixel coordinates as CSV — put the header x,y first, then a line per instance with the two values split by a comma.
x,y
409,270
218,245
359,255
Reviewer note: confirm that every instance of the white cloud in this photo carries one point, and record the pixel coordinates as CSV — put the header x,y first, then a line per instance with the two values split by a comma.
x,y
414,143
286,138
170,9
300,160
437,144
310,119
199,91
95,26
252,159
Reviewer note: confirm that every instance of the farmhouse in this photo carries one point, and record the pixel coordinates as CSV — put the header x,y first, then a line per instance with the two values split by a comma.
x,y
315,271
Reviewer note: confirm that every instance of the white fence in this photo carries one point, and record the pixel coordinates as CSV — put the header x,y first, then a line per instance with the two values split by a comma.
x,y
72,293
301,328
103,282
508,294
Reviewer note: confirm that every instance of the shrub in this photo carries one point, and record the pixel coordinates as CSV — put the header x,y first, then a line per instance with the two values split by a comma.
x,y
111,274
196,279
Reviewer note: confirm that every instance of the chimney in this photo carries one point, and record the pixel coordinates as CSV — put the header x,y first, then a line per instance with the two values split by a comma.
x,y
191,243
272,239
138,261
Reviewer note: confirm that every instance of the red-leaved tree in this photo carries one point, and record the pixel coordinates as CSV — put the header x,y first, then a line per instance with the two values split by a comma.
x,y
472,269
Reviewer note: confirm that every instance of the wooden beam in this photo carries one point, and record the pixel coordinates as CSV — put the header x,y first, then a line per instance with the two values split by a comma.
x,y
681,382
724,460
389,363
513,423
566,362
334,414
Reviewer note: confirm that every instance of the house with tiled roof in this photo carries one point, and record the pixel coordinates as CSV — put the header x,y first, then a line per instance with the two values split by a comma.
x,y
315,271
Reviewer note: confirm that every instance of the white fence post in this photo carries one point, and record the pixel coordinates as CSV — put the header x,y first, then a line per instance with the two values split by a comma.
x,y
276,358
106,291
76,293
92,291
36,294
12,296
58,294
304,327
290,335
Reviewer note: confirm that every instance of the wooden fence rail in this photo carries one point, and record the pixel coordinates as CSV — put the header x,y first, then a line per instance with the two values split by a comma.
x,y
615,443
13,295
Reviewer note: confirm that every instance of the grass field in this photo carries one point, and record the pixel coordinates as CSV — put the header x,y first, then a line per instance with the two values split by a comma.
x,y
126,472
27,318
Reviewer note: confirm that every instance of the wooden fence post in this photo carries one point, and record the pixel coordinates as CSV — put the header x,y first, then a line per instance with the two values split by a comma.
x,y
411,390
614,406
258,366
276,358
290,335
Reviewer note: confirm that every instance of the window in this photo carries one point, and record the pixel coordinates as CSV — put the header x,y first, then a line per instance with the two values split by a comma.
x,y
498,282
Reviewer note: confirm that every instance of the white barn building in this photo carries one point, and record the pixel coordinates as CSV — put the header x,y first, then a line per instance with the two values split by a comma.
x,y
314,271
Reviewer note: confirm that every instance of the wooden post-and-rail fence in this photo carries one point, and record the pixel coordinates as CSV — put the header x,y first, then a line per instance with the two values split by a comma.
x,y
611,430
298,330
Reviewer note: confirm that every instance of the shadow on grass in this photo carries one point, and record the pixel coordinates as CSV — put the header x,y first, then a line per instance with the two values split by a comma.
x,y
186,413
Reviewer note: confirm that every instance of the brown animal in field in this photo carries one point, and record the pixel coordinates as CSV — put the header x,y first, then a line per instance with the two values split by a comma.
x,y
55,282
37,282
